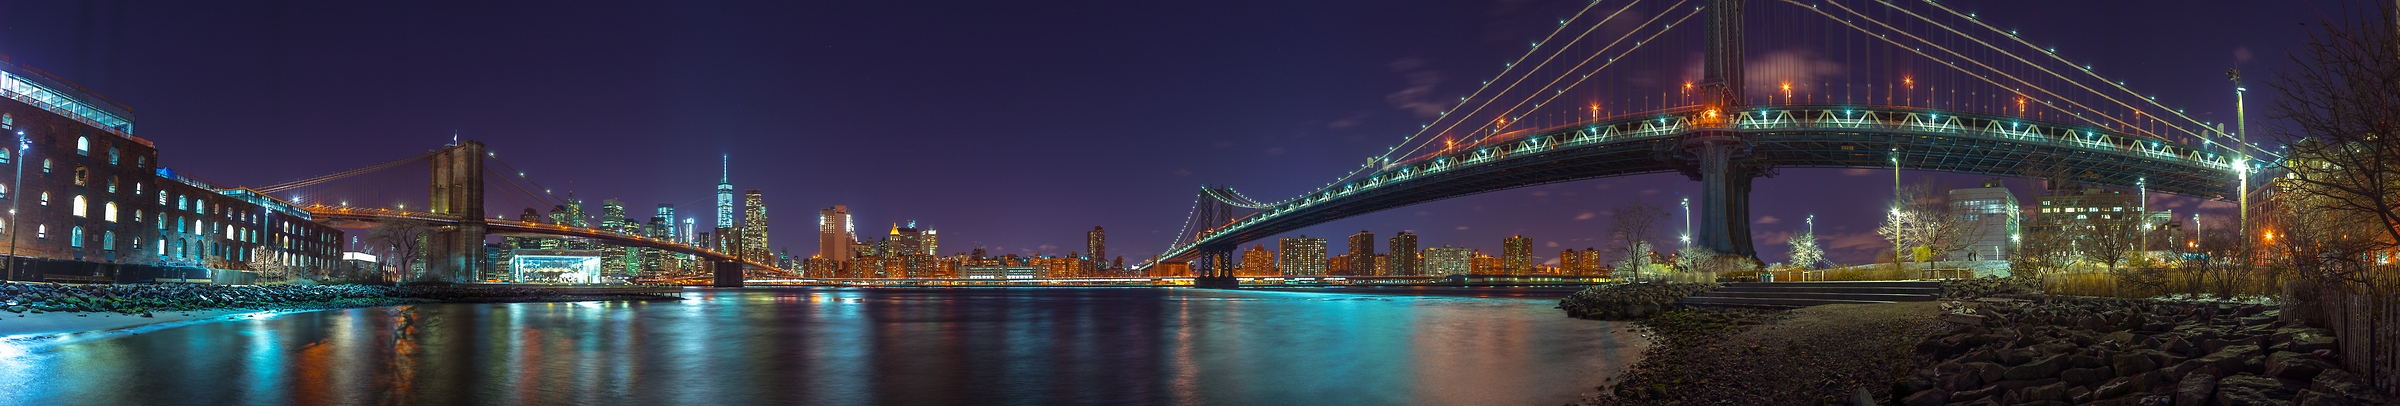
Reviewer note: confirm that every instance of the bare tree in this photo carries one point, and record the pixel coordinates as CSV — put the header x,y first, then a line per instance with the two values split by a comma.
x,y
2341,101
1920,217
403,243
1635,223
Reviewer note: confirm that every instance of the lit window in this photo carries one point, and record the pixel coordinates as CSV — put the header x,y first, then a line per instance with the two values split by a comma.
x,y
80,174
3,191
45,165
108,211
8,121
77,206
162,247
112,184
83,145
179,204
3,155
137,215
75,236
137,189
112,155
45,198
108,241
41,231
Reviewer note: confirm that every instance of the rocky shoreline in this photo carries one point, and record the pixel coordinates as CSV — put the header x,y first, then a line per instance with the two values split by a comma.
x,y
2076,350
2010,348
146,300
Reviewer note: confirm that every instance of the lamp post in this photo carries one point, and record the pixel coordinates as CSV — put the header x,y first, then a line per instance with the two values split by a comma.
x,y
23,146
1686,238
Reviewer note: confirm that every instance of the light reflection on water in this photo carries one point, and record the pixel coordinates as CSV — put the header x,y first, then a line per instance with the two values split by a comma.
x,y
807,346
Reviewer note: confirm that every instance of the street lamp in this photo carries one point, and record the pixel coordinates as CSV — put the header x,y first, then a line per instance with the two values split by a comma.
x,y
1687,223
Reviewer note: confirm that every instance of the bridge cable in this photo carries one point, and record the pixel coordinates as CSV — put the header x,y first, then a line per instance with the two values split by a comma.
x,y
1604,65
312,181
2054,55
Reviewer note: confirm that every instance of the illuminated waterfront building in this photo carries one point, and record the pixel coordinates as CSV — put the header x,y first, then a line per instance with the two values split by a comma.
x,y
1516,255
1403,253
754,228
1258,261
1362,253
1302,256
614,258
1448,260
1096,242
1996,211
834,234
725,195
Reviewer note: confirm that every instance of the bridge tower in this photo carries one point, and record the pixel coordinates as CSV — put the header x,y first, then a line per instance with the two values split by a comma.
x,y
457,252
1718,155
1214,267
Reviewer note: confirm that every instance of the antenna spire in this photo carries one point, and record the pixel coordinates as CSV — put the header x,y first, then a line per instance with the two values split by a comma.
x,y
728,168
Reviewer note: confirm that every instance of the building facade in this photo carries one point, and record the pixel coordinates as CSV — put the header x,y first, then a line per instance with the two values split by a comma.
x,y
1302,256
1994,216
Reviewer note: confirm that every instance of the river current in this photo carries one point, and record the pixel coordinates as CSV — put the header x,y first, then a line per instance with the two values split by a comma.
x,y
1031,346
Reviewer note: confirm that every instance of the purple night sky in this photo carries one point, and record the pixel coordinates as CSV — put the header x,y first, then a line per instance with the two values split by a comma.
x,y
1014,126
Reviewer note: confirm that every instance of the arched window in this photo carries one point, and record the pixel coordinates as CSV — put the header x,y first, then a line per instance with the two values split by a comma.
x,y
108,211
3,191
80,174
83,145
162,247
45,165
108,241
8,121
78,206
112,155
112,184
3,155
75,236
45,198
41,231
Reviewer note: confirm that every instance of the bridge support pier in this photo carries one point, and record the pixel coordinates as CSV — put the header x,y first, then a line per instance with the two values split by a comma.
x,y
1720,160
728,273
1215,268
457,252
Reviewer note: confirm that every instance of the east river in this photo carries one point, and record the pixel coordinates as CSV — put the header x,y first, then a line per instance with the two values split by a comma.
x,y
1033,346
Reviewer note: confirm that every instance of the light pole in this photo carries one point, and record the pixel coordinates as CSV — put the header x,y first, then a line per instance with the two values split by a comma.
x,y
23,146
1686,238
2241,160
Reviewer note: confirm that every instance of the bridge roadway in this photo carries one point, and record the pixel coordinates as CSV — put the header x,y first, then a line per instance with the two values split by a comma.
x,y
1801,136
514,227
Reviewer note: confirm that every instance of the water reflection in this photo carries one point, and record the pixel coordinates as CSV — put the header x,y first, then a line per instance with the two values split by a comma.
x,y
785,346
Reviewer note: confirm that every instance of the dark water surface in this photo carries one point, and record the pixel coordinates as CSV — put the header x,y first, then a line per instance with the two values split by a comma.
x,y
1035,346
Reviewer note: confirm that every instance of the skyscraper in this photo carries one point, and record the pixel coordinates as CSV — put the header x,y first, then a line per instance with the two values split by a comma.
x,y
1258,261
1516,255
833,234
1404,255
1448,260
1362,253
725,195
1096,242
754,227
614,258
1302,256
665,222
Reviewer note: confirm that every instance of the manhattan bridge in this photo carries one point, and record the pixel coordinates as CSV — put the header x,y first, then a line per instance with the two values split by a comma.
x,y
1630,87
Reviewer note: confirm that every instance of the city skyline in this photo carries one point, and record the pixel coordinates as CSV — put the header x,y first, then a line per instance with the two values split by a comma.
x,y
1364,93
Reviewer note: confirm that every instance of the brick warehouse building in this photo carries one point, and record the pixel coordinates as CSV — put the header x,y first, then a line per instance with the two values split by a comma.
x,y
93,204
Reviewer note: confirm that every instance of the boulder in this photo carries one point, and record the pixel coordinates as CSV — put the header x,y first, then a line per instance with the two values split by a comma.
x,y
1928,397
2051,392
2247,389
2115,388
2133,362
2196,390
2293,365
2086,376
2042,368
2342,384
2232,358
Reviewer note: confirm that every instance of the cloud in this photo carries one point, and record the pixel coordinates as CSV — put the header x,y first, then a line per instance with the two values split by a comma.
x,y
1769,220
1417,98
1551,244
1585,216
1352,121
1551,262
1858,172
1541,193
1854,241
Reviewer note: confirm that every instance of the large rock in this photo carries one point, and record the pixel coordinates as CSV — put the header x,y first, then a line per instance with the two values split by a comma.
x,y
2045,367
2341,384
2232,358
2247,389
2134,362
2051,392
2196,390
1928,397
2086,376
2115,388
2293,365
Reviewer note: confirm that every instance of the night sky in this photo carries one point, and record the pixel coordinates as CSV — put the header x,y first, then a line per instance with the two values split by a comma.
x,y
1013,126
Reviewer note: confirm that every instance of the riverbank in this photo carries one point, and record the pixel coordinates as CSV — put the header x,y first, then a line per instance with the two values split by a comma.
x,y
48,308
1752,357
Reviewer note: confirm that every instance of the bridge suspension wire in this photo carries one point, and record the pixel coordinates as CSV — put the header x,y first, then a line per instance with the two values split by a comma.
x,y
1954,66
312,181
553,197
1603,66
1462,101
1512,85
513,186
2062,59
